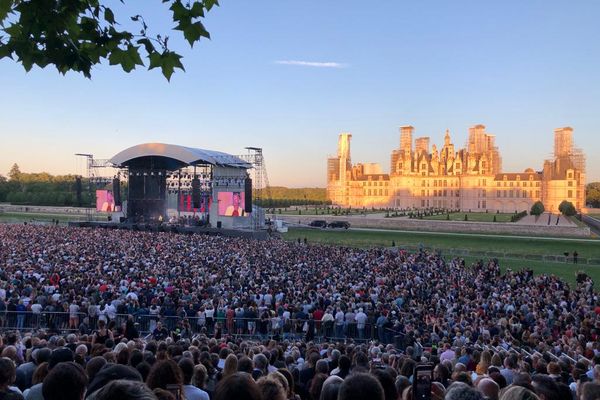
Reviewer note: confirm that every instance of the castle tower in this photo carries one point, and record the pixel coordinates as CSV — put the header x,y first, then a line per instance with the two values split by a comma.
x,y
422,145
406,132
563,142
345,163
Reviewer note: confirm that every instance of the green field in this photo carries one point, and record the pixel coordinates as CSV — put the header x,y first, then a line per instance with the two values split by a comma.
x,y
475,217
8,217
510,250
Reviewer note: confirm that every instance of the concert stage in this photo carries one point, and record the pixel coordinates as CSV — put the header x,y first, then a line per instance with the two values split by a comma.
x,y
182,229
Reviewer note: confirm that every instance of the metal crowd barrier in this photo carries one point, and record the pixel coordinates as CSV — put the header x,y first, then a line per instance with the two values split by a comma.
x,y
269,328
272,327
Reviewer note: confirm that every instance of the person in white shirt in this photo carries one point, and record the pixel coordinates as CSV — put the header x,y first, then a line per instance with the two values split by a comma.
x,y
190,391
361,323
73,316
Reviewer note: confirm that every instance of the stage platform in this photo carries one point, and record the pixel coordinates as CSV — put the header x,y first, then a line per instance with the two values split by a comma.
x,y
147,227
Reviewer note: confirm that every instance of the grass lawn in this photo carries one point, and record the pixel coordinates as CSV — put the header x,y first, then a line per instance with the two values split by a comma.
x,y
565,271
508,249
476,217
43,217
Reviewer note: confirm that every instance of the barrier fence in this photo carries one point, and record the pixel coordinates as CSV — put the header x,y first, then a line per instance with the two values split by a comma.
x,y
263,328
257,328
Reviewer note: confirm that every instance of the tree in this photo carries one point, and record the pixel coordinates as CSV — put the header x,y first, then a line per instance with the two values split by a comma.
x,y
537,209
567,208
15,173
592,193
75,35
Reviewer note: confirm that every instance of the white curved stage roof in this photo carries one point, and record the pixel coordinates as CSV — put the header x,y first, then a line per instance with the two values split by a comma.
x,y
185,155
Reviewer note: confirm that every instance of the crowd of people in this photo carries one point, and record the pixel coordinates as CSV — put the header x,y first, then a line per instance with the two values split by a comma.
x,y
163,315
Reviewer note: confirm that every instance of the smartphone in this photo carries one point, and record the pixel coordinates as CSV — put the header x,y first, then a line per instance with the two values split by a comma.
x,y
175,390
422,377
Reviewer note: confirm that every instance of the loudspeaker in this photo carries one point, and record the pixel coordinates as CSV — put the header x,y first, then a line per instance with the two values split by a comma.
x,y
248,195
196,193
116,184
78,190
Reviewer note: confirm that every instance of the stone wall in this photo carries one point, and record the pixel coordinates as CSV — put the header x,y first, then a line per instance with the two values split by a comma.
x,y
446,226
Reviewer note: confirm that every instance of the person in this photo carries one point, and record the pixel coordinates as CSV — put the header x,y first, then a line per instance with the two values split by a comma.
x,y
68,381
238,386
7,378
462,391
190,391
124,390
590,391
235,209
103,334
361,386
164,375
575,256
271,388
517,393
160,333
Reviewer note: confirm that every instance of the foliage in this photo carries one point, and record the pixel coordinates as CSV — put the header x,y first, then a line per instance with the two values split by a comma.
x,y
518,216
593,194
15,173
537,208
75,35
41,189
284,193
567,208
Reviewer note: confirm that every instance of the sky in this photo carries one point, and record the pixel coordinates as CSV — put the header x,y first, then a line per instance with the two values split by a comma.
x,y
289,76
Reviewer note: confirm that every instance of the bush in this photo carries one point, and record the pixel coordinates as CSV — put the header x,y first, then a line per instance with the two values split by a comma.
x,y
518,216
537,208
567,208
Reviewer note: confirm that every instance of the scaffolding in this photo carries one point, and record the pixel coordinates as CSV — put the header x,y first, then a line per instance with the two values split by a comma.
x,y
260,182
94,179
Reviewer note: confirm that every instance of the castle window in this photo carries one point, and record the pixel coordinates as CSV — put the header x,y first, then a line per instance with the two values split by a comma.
x,y
570,183
570,194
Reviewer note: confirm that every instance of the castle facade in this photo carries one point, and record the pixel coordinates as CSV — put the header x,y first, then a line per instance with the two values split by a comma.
x,y
469,178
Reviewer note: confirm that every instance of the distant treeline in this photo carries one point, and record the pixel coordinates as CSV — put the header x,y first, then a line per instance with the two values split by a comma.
x,y
279,196
60,190
42,189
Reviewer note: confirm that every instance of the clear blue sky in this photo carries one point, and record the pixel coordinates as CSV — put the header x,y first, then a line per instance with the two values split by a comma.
x,y
522,68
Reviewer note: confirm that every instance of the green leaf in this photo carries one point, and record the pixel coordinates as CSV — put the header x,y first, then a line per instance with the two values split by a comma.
x,y
167,61
109,16
116,56
5,51
147,44
5,8
155,60
128,59
208,4
179,11
197,10
193,33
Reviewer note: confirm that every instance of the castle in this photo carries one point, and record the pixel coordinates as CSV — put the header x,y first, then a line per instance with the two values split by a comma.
x,y
469,178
